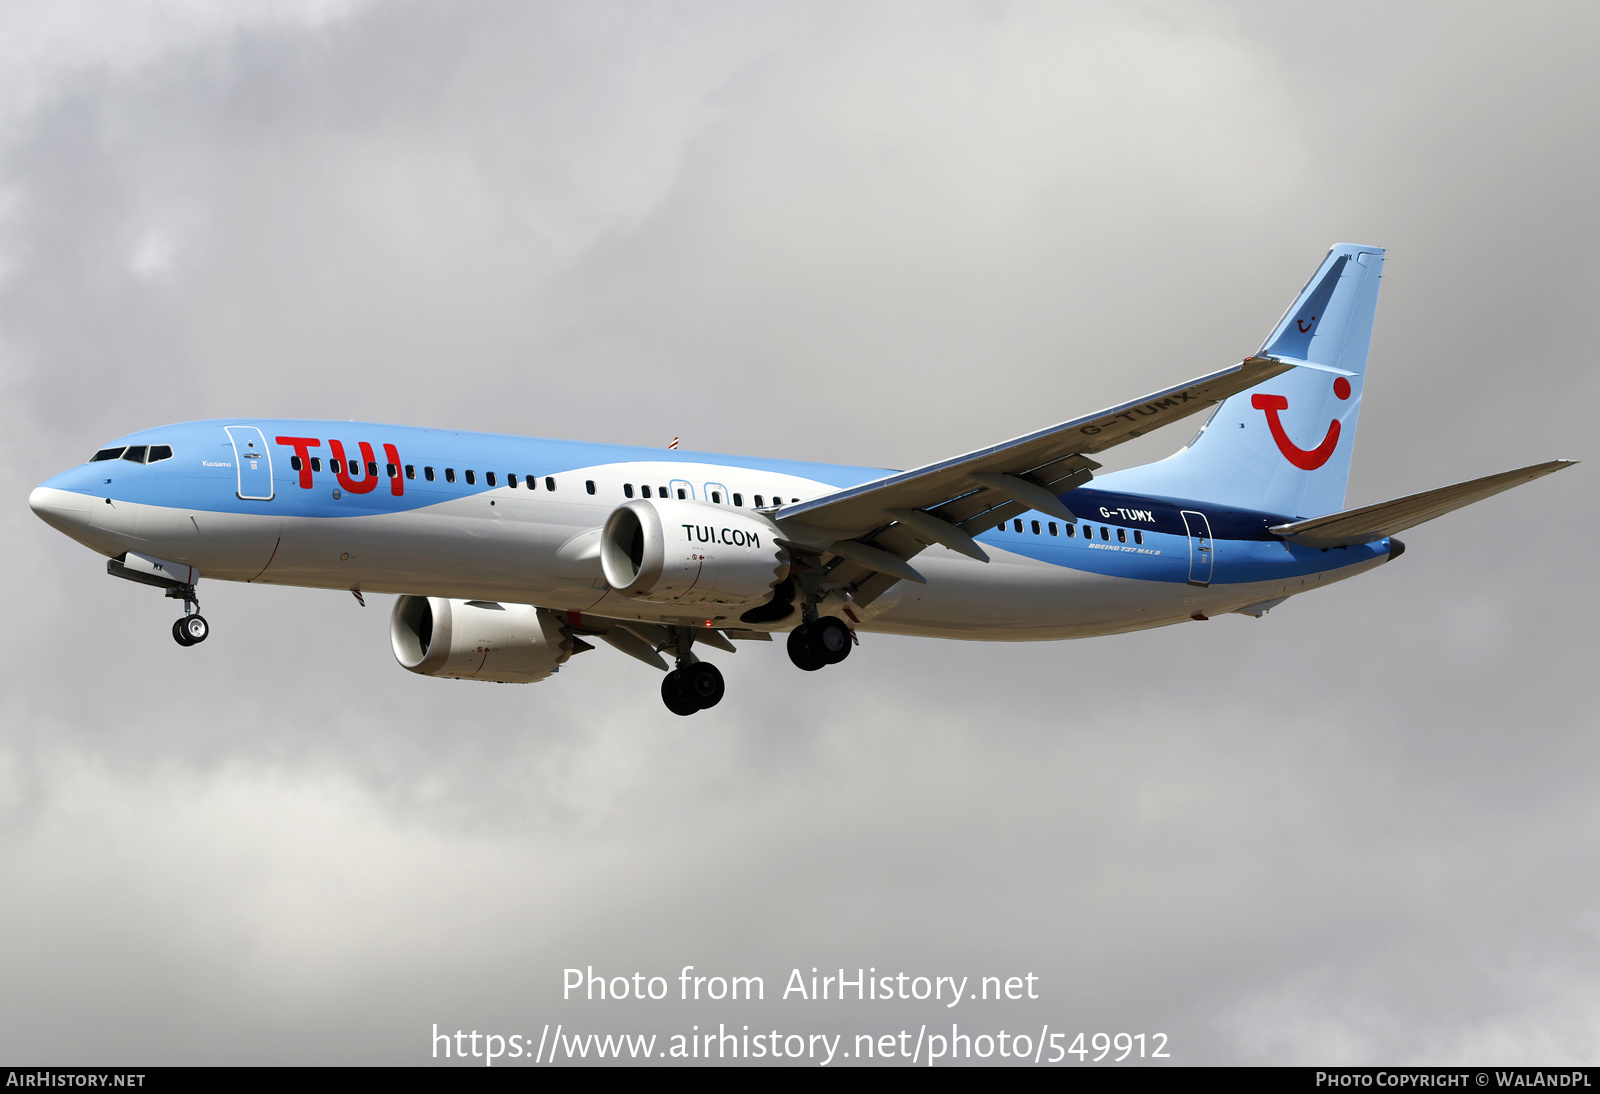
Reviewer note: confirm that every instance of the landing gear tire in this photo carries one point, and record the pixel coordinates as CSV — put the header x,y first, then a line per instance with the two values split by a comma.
x,y
831,638
673,696
804,654
692,688
824,641
804,651
191,629
701,684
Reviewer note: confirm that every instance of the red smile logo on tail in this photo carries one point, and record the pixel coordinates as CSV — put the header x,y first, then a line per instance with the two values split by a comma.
x,y
1306,460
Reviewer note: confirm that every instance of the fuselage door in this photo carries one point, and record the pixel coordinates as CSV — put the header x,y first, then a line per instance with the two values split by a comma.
x,y
1201,556
254,462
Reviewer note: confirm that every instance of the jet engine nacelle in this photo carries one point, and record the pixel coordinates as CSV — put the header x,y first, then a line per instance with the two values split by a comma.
x,y
691,552
477,639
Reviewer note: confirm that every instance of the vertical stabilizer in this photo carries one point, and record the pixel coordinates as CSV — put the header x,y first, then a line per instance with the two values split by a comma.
x,y
1284,447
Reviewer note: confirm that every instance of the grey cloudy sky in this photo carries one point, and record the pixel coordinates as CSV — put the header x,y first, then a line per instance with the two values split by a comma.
x,y
1361,830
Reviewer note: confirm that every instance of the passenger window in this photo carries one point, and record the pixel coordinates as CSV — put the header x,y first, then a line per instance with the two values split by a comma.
x,y
334,466
449,474
135,454
394,472
738,499
511,481
372,469
661,491
316,463
1017,524
1002,528
489,477
294,463
411,470
472,477
627,489
716,496
1052,528
1105,533
758,502
1122,535
105,454
588,484
1138,536
549,482
1035,527
644,491
1072,531
427,473
159,452
681,494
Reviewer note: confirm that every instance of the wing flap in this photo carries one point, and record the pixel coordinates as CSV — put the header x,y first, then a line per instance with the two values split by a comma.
x,y
1387,518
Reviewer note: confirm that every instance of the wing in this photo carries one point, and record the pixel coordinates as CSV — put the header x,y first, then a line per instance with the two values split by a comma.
x,y
1374,522
865,534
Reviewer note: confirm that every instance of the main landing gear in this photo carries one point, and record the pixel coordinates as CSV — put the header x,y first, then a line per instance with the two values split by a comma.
x,y
192,628
823,641
692,687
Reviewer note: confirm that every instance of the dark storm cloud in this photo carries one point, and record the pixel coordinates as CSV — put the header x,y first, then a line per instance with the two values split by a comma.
x,y
1357,830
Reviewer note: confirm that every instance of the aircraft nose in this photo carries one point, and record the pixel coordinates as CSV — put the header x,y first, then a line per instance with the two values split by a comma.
x,y
65,510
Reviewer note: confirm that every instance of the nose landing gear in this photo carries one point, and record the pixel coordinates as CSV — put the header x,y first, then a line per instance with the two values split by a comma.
x,y
192,628
142,570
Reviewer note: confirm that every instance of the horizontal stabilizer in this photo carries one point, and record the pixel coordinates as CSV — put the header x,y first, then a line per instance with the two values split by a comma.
x,y
1375,522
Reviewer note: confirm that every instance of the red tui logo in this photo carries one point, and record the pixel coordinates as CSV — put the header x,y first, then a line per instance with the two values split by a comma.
x,y
348,472
1305,459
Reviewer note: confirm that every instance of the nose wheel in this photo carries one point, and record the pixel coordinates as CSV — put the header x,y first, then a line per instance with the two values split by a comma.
x,y
691,688
191,629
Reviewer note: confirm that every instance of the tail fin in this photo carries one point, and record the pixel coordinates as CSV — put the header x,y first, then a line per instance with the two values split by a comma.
x,y
1250,453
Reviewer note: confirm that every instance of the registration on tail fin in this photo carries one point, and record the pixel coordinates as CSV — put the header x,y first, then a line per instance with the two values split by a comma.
x,y
1284,446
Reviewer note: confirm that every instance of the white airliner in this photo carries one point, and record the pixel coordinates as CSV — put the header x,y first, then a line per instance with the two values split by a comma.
x,y
510,553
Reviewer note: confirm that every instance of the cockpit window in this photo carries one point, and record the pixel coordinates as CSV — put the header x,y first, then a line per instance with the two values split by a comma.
x,y
138,453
